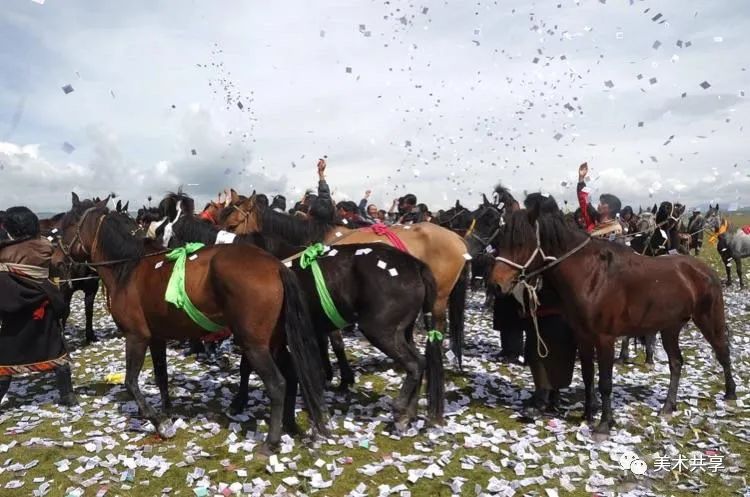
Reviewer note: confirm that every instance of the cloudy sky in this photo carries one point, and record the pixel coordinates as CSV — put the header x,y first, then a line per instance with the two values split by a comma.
x,y
442,99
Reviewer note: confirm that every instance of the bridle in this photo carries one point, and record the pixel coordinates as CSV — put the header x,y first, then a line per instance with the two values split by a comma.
x,y
521,281
447,223
471,233
245,216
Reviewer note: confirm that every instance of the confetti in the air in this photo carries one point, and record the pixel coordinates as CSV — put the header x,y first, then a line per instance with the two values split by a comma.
x,y
67,89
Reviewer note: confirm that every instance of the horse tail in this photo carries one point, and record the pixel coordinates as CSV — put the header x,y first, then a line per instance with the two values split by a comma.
x,y
433,351
456,308
304,349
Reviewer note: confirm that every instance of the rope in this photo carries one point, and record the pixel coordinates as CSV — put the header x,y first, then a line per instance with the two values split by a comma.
x,y
383,230
523,280
309,259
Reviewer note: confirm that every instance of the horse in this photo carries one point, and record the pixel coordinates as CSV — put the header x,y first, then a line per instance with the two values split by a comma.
x,y
733,245
386,317
696,227
442,250
244,288
668,219
608,291
74,277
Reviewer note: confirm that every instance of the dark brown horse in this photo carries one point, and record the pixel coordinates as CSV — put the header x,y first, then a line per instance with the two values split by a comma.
x,y
608,291
242,287
443,251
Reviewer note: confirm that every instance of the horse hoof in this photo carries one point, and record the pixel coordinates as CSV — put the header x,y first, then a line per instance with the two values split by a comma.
x,y
166,429
344,387
69,400
531,413
236,408
730,396
601,433
265,451
91,339
292,429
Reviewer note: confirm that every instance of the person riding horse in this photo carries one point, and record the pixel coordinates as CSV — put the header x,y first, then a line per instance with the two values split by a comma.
x,y
31,306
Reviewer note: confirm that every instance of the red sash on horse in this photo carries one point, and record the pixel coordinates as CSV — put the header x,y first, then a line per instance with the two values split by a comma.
x,y
381,229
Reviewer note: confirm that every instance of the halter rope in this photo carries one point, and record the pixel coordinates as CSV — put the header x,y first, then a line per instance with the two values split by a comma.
x,y
531,290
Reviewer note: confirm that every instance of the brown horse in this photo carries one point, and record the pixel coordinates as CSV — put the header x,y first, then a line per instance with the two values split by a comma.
x,y
442,250
608,291
242,287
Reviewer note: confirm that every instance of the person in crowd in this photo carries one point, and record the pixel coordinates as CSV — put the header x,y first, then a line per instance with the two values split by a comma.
x,y
369,212
606,225
628,220
279,203
31,338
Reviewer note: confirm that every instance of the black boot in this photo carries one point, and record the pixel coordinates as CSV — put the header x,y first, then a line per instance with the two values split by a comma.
x,y
65,386
4,386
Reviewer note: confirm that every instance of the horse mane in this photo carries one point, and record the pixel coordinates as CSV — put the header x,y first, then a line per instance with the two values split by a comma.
x,y
168,205
504,196
117,241
555,235
295,230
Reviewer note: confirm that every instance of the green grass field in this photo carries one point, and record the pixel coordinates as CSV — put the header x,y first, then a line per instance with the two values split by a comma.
x,y
483,439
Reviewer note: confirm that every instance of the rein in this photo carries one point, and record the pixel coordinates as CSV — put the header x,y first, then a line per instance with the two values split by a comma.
x,y
523,281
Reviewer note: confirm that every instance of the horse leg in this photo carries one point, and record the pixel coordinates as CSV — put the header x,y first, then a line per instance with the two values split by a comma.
x,y
135,353
738,267
587,371
713,327
262,362
337,344
240,400
4,386
670,341
605,354
650,340
284,363
159,359
88,302
394,344
67,296
323,346
624,351
728,268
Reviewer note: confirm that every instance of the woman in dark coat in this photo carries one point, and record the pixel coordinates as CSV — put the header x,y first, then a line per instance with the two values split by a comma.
x,y
31,338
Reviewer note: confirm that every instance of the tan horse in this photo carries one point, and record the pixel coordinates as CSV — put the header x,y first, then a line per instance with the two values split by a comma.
x,y
443,251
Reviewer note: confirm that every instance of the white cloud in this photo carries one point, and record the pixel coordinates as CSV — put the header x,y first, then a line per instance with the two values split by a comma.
x,y
474,114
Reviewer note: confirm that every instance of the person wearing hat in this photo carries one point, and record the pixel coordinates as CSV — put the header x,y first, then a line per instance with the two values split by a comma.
x,y
607,225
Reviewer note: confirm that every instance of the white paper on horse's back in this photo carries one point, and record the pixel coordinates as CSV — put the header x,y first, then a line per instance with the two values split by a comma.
x,y
339,234
467,256
193,257
382,264
363,251
158,264
392,271
225,238
333,252
288,263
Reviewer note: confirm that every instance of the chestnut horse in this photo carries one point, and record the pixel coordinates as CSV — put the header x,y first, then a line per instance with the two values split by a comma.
x,y
242,287
608,291
443,251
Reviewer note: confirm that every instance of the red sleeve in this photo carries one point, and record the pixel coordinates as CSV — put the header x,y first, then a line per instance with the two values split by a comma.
x,y
583,203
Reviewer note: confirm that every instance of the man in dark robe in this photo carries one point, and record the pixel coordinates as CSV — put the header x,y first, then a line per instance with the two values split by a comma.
x,y
31,305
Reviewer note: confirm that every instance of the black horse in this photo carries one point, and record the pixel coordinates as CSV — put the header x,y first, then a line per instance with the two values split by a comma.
x,y
386,317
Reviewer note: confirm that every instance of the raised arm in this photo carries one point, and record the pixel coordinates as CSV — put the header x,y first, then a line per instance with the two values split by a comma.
x,y
583,196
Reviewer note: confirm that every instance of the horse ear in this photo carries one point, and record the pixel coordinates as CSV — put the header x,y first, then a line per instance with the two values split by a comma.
x,y
118,206
485,202
654,209
76,200
234,198
640,210
458,204
125,207
717,207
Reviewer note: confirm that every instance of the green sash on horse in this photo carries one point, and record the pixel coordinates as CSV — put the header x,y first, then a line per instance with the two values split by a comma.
x,y
309,259
176,293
